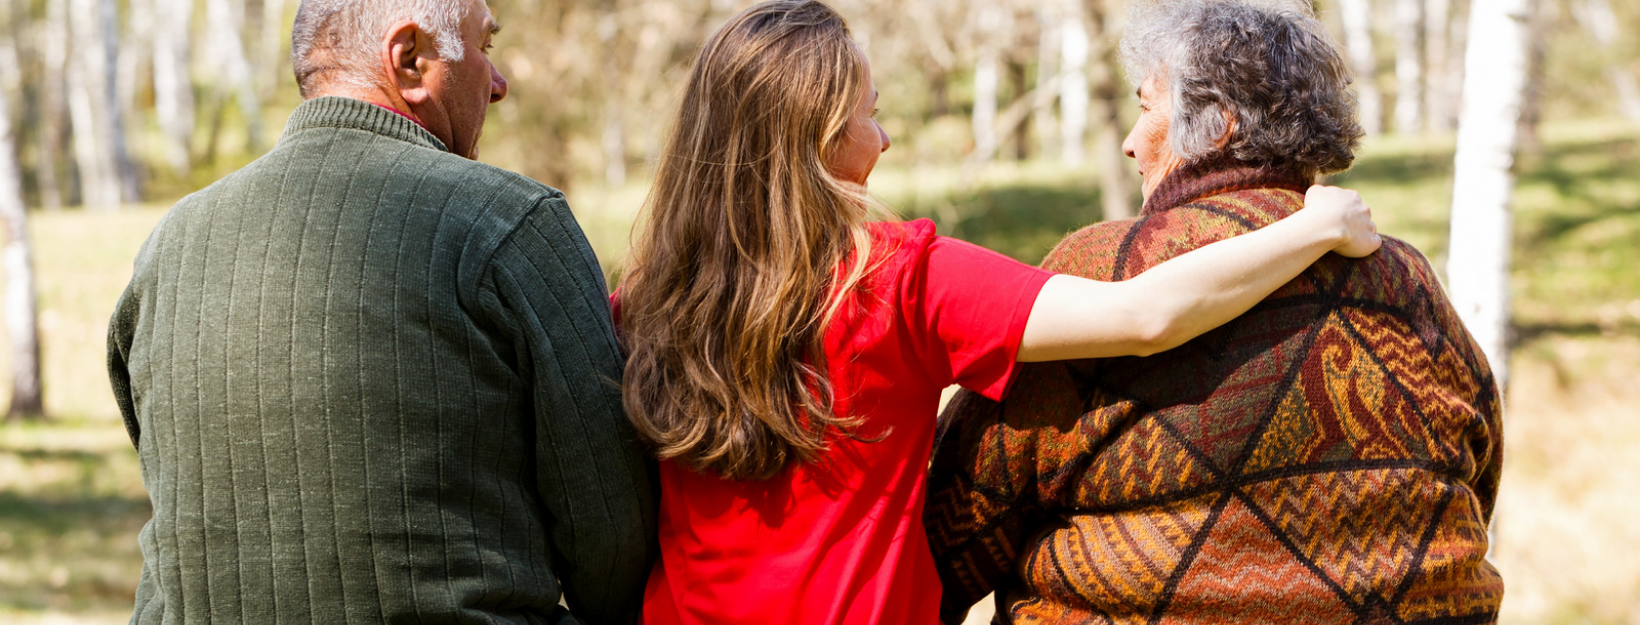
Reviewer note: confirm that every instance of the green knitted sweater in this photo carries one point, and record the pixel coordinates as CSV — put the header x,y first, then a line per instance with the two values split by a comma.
x,y
370,381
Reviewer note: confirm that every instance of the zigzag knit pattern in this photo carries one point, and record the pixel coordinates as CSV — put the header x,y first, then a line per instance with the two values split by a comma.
x,y
1332,456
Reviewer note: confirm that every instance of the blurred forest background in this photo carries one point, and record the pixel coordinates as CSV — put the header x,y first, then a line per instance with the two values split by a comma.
x,y
1006,116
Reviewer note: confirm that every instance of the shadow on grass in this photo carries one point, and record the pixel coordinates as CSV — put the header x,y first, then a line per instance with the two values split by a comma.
x,y
75,552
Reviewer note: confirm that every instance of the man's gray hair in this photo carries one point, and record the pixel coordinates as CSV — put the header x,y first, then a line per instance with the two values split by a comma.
x,y
341,39
1269,64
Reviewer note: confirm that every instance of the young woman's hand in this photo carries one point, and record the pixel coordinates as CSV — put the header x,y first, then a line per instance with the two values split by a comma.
x,y
1344,209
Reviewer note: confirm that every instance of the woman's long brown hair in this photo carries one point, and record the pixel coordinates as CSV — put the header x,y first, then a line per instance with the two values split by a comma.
x,y
734,273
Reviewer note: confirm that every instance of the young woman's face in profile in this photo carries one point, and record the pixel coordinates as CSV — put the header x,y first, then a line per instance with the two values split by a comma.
x,y
863,139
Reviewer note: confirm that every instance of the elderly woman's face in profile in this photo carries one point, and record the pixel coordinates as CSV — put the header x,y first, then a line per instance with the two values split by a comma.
x,y
1147,143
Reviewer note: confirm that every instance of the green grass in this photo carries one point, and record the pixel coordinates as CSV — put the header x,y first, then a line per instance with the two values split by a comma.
x,y
72,501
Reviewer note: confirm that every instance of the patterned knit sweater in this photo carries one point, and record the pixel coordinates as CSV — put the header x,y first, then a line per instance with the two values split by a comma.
x,y
1332,456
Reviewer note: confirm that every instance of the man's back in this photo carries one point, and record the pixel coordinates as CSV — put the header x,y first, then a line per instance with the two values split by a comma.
x,y
370,380
1330,456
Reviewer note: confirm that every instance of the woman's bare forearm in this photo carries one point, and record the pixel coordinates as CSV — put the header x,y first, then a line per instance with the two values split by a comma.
x,y
1185,297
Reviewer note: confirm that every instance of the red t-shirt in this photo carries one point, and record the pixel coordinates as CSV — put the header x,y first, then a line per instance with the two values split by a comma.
x,y
841,540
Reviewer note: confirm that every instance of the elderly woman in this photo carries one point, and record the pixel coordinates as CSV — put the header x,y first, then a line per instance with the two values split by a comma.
x,y
1332,456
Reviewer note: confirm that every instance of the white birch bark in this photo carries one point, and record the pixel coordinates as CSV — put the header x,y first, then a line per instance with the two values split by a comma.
x,y
1357,18
173,87
990,31
272,65
91,94
1479,260
225,20
1438,88
986,77
1601,22
1409,66
1045,123
19,271
1073,84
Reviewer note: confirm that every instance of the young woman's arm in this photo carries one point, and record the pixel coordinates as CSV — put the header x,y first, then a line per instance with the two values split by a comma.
x,y
1185,297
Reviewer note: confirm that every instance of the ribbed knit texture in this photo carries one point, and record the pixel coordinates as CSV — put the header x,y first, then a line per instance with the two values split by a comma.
x,y
370,381
1330,457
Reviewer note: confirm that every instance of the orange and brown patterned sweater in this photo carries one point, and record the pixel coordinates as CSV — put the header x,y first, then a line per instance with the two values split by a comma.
x,y
1332,456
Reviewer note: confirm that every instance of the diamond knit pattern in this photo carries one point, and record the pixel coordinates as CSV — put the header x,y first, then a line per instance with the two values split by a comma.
x,y
1332,456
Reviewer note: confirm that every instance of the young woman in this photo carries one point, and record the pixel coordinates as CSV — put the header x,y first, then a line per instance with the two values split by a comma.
x,y
786,357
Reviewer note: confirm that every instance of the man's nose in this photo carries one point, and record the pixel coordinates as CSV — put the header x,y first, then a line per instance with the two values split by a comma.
x,y
498,85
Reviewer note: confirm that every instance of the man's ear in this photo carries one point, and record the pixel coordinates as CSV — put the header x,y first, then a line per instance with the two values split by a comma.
x,y
402,49
1231,121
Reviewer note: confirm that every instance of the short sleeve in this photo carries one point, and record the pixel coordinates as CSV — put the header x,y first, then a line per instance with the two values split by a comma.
x,y
970,305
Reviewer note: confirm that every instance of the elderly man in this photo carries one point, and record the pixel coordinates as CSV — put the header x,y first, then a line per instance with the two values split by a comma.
x,y
1330,457
371,380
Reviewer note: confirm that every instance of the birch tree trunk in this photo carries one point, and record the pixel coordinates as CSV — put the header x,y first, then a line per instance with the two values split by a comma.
x,y
1114,184
51,44
1438,89
987,78
1479,261
1073,84
97,149
1020,138
1357,18
614,139
173,87
1531,108
19,271
1597,17
1409,65
225,20
272,48
1047,73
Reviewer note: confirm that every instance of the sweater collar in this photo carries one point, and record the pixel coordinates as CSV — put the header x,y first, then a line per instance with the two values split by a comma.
x,y
1218,175
340,112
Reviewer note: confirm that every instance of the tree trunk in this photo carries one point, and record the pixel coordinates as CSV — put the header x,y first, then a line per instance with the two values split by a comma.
x,y
52,44
1073,84
19,271
1597,17
614,139
1479,260
173,88
91,99
1409,66
985,102
1021,136
1531,107
272,49
1047,73
1114,184
990,32
1438,88
226,20
1357,18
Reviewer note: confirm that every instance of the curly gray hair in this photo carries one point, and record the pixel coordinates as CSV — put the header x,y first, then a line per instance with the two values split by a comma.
x,y
1269,64
341,39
